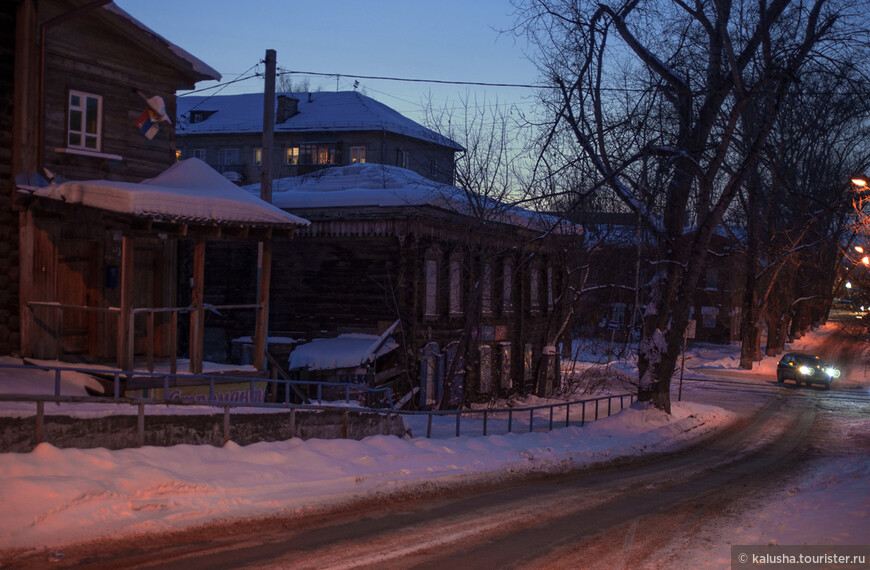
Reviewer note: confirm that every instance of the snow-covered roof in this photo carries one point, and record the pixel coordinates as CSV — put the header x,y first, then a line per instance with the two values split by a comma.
x,y
197,66
189,191
381,185
344,351
322,111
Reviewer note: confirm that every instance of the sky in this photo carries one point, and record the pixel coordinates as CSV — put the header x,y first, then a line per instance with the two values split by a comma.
x,y
53,497
448,40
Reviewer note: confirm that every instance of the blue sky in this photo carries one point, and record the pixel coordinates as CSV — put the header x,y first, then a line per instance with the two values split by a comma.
x,y
455,40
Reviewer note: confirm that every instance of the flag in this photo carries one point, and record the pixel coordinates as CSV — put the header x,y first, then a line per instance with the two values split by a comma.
x,y
145,124
150,119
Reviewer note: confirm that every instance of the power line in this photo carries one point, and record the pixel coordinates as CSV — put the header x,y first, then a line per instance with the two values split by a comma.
x,y
416,80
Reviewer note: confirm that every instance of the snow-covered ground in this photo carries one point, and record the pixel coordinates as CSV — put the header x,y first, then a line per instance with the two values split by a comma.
x,y
51,497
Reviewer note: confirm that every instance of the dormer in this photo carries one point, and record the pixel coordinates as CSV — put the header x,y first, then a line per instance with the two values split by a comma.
x,y
200,116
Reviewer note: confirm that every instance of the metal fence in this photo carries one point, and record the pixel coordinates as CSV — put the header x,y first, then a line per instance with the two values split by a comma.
x,y
483,421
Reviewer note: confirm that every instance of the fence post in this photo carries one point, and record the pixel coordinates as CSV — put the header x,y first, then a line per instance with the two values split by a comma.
x,y
292,423
40,421
458,415
226,423
57,383
149,324
319,393
583,415
117,385
567,414
510,419
596,409
531,420
484,423
551,419
344,424
166,387
141,424
609,401
429,427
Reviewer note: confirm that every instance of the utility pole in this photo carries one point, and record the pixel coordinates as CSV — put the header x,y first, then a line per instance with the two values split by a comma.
x,y
268,128
264,250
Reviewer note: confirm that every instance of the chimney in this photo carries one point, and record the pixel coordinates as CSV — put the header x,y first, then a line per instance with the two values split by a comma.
x,y
287,107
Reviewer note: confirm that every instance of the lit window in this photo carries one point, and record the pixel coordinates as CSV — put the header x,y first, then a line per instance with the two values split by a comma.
x,y
431,287
177,154
258,156
505,357
291,156
85,121
357,154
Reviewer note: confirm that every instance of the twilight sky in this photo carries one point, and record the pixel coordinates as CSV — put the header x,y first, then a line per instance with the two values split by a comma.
x,y
454,40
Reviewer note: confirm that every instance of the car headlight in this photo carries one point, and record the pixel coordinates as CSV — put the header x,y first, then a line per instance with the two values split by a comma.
x,y
805,370
832,372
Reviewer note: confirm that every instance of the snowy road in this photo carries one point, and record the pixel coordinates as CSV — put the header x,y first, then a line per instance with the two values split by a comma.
x,y
665,511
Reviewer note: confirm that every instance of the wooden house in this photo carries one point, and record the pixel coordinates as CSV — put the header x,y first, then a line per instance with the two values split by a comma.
x,y
483,289
312,131
616,278
97,281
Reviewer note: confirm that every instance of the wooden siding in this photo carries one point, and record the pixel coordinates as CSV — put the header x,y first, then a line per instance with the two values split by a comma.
x,y
9,269
84,54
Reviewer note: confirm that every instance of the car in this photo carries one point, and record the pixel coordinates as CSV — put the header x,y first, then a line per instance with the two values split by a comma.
x,y
805,368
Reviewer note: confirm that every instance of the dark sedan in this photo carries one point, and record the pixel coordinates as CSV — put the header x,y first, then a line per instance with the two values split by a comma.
x,y
805,368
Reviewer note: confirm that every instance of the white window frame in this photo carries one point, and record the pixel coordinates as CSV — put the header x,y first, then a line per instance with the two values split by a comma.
x,y
81,128
291,155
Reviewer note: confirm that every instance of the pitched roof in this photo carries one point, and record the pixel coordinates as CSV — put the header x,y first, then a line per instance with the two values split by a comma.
x,y
323,111
148,38
381,185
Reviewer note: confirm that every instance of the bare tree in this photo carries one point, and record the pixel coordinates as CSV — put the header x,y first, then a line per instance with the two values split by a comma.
x,y
646,100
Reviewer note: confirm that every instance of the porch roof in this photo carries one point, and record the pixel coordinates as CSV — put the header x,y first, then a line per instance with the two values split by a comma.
x,y
188,192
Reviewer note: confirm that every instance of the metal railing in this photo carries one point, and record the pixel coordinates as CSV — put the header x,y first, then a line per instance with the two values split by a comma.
x,y
590,409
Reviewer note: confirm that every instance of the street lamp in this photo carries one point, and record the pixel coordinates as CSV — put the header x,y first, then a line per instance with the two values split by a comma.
x,y
859,181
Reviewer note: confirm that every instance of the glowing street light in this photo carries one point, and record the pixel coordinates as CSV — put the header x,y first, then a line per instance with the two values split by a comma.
x,y
848,284
866,260
859,249
859,181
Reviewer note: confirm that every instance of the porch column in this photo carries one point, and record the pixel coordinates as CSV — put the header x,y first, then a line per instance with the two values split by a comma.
x,y
262,329
125,318
197,317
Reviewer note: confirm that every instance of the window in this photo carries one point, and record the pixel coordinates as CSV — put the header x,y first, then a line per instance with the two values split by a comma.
x,y
618,313
712,278
535,289
85,121
455,291
431,287
231,156
709,316
401,158
505,357
291,155
311,153
258,156
486,290
357,154
177,154
507,287
199,153
433,167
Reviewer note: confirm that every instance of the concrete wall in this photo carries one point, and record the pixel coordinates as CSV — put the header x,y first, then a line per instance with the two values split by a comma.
x,y
118,432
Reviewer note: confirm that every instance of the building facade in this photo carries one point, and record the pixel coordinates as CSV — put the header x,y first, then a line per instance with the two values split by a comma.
x,y
312,131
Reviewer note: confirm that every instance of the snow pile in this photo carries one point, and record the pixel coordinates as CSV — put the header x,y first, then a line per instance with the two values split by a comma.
x,y
59,496
344,351
188,191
